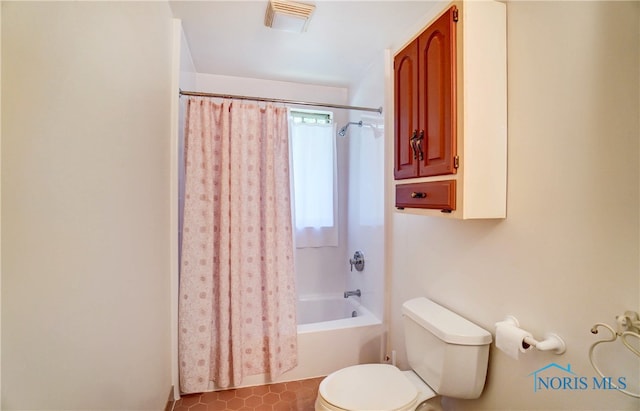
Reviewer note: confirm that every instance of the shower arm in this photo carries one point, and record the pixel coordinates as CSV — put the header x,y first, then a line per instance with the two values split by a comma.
x,y
343,130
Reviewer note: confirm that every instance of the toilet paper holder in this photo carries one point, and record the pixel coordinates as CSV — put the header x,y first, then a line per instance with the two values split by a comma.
x,y
552,342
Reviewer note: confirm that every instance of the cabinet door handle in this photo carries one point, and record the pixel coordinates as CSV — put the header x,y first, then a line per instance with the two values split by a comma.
x,y
419,145
417,194
412,141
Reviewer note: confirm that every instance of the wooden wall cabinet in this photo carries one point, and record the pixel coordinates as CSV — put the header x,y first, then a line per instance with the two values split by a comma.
x,y
450,113
424,79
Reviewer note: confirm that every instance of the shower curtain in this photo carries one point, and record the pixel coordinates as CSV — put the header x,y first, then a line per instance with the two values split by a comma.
x,y
237,310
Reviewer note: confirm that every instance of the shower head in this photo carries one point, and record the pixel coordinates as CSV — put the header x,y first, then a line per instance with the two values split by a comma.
x,y
343,130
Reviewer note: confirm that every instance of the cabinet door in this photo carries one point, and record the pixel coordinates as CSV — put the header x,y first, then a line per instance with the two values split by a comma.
x,y
437,115
406,111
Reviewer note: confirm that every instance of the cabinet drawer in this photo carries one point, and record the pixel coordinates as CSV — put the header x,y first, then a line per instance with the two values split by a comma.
x,y
435,194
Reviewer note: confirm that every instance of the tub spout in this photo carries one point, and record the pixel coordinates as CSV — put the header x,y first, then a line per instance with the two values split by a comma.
x,y
348,294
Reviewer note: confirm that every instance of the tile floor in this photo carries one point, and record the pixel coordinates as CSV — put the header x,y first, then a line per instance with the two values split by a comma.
x,y
285,396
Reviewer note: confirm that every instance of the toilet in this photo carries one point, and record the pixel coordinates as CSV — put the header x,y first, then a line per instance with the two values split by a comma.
x,y
448,356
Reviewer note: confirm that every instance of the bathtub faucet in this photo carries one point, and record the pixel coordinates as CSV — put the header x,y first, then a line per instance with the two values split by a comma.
x,y
348,294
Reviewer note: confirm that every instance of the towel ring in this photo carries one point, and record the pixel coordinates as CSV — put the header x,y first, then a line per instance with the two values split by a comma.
x,y
626,343
614,336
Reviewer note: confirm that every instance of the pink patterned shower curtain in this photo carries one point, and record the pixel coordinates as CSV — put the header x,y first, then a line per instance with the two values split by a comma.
x,y
237,313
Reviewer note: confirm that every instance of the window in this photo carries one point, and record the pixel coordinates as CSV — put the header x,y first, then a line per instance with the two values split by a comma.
x,y
313,156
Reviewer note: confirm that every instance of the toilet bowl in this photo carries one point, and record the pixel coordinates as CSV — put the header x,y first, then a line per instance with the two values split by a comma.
x,y
448,356
379,387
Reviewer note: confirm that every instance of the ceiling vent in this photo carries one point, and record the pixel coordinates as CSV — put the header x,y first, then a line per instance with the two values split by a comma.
x,y
288,15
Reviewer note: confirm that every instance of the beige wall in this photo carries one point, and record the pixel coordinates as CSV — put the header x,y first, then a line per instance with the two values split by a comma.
x,y
85,175
567,255
85,205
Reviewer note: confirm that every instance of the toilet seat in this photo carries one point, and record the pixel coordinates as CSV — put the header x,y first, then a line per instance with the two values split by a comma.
x,y
379,387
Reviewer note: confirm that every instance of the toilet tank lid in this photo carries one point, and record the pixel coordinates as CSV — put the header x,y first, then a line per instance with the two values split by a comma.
x,y
445,324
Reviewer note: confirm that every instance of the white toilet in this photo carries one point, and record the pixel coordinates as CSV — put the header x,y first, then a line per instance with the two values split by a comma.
x,y
448,356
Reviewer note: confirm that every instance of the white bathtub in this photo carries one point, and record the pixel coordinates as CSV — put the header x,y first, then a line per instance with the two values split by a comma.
x,y
331,338
336,311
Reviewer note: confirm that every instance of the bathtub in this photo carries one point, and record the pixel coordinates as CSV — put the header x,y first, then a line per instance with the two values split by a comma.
x,y
331,311
330,338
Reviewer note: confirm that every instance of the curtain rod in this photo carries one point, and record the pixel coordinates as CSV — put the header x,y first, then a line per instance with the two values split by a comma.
x,y
276,100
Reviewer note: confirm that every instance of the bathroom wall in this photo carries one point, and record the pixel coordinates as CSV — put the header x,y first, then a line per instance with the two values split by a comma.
x,y
86,93
318,270
0,211
184,73
366,185
566,256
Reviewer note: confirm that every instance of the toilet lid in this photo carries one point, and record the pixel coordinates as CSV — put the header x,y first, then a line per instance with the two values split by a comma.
x,y
369,387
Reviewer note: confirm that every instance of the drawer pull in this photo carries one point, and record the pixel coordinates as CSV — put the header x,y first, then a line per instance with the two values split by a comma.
x,y
418,195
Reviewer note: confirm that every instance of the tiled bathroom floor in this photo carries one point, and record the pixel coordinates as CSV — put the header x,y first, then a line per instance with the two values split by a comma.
x,y
286,396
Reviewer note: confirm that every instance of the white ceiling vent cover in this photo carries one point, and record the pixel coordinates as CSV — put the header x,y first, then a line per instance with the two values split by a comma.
x,y
288,15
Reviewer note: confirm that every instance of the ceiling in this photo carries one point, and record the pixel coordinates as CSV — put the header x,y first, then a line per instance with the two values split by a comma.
x,y
343,38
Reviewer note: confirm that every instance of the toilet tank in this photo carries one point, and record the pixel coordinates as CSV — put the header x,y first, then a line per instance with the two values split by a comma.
x,y
448,352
